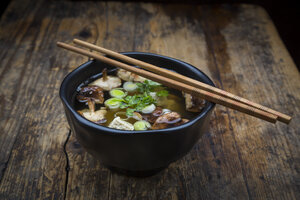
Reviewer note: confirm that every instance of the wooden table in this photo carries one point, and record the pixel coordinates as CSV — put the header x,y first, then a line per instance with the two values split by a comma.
x,y
236,45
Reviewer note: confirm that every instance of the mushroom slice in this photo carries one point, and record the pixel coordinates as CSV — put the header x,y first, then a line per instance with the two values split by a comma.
x,y
129,76
193,103
94,116
91,92
118,123
167,120
182,121
137,116
138,78
124,75
107,82
154,115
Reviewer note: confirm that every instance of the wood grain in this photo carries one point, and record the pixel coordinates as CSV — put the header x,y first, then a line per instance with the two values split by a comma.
x,y
236,45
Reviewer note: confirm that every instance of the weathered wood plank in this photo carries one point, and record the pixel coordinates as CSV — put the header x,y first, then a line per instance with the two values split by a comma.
x,y
242,54
223,167
239,158
175,30
111,24
34,127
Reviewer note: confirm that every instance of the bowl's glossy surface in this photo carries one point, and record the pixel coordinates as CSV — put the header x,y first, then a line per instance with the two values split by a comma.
x,y
134,150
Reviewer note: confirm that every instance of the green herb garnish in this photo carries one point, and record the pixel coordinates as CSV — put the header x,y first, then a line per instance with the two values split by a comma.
x,y
162,93
129,111
148,86
137,102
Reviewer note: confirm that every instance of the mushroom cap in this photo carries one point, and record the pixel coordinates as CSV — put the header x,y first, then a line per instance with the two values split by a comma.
x,y
154,115
193,103
129,76
167,120
91,92
96,116
109,83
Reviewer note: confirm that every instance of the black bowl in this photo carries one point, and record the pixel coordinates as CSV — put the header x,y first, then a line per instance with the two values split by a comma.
x,y
135,151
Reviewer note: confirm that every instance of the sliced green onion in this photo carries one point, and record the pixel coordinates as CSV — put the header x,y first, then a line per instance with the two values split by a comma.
x,y
148,109
117,93
130,86
141,125
113,103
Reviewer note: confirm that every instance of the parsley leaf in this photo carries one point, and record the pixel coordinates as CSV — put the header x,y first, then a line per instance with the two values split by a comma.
x,y
139,101
162,93
129,111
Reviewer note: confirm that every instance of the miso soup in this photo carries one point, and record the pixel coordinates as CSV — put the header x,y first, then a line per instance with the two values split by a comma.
x,y
126,101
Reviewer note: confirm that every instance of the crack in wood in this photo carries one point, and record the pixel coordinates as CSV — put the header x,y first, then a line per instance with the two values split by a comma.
x,y
4,167
67,164
109,187
182,185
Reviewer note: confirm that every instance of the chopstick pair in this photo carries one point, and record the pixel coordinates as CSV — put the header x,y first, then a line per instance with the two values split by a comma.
x,y
177,81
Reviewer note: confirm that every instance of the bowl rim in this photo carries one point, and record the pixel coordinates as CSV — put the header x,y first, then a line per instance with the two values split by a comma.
x,y
106,130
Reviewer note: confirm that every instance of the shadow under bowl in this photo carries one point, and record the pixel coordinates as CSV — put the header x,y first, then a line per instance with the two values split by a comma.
x,y
134,152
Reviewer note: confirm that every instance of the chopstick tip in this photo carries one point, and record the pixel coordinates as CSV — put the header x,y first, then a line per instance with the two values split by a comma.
x,y
285,119
76,40
58,43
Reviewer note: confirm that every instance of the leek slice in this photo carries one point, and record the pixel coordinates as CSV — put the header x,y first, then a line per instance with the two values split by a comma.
x,y
148,109
117,93
130,86
141,125
113,103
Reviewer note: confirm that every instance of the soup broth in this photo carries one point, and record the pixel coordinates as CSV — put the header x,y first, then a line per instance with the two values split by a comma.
x,y
170,102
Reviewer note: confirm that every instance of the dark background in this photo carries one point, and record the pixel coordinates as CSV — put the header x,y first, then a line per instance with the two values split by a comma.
x,y
285,15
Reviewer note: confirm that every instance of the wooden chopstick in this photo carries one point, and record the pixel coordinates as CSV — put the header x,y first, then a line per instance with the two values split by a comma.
x,y
172,75
177,85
